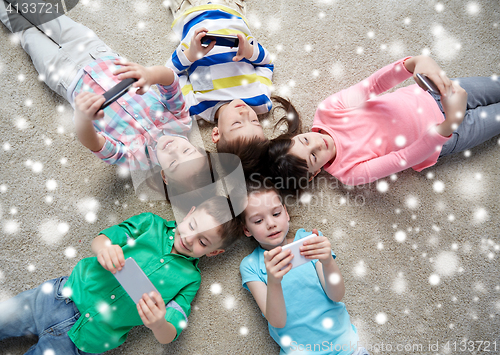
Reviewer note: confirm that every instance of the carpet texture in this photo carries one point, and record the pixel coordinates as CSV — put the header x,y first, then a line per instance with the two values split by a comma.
x,y
420,258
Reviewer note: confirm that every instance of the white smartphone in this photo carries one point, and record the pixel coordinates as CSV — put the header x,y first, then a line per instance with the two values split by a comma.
x,y
295,248
134,280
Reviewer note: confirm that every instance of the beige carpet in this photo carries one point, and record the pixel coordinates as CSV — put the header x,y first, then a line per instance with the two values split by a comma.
x,y
439,284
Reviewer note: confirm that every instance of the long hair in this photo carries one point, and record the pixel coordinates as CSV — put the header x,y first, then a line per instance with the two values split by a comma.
x,y
288,171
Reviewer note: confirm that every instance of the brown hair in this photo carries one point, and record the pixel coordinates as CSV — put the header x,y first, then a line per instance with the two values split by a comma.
x,y
230,225
281,165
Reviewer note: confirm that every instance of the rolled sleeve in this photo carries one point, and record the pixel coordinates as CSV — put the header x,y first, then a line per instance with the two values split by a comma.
x,y
112,152
179,308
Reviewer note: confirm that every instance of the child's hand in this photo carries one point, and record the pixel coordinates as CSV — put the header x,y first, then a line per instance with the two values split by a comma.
x,y
111,258
317,248
152,310
144,76
454,106
87,106
245,49
196,50
425,65
277,263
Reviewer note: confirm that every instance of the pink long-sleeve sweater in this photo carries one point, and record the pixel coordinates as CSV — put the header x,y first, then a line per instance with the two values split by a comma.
x,y
377,136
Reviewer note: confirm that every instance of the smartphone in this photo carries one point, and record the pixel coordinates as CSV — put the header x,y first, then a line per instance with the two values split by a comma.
x,y
428,83
117,91
295,248
134,280
220,40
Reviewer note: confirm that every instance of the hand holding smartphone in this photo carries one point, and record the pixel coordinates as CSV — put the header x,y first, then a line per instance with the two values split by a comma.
x,y
294,247
134,280
117,91
428,83
220,40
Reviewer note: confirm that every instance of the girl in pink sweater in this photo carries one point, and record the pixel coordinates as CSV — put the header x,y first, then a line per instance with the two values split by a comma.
x,y
360,137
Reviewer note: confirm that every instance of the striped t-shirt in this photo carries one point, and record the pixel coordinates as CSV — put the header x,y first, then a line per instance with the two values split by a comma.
x,y
215,77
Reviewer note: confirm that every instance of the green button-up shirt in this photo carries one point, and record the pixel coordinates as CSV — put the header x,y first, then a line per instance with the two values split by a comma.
x,y
107,311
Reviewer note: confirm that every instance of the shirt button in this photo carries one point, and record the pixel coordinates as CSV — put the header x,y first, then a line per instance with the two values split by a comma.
x,y
136,116
113,297
161,261
171,238
87,315
173,230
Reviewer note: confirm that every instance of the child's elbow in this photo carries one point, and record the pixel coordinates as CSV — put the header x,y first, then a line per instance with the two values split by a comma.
x,y
278,324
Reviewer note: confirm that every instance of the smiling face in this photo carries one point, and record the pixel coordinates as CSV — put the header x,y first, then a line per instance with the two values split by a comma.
x,y
173,153
266,219
315,148
236,119
197,235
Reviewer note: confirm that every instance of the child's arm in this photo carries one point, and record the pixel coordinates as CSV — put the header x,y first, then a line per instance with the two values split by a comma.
x,y
110,256
152,312
270,298
171,94
327,269
87,110
145,76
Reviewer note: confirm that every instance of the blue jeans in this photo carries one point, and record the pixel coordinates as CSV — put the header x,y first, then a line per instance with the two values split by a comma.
x,y
482,117
44,312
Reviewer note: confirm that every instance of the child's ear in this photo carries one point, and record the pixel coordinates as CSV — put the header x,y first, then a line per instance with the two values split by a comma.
x,y
246,231
287,215
165,179
215,252
215,135
189,213
316,173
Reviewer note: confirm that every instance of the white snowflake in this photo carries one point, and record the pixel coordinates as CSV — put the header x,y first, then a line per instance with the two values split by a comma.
x,y
400,236
399,284
70,252
473,8
216,288
434,279
480,215
11,226
360,269
382,186
51,185
445,46
446,263
229,302
381,318
52,230
412,202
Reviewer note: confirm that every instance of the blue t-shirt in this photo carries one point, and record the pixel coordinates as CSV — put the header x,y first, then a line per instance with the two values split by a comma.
x,y
315,324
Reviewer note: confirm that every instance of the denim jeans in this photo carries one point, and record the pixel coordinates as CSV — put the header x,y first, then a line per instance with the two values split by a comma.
x,y
482,117
44,312
58,48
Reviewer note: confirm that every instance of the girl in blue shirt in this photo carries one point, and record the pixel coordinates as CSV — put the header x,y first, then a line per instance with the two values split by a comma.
x,y
302,305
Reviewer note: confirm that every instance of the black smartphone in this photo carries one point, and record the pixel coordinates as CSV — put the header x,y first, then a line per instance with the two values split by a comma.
x,y
117,91
220,40
428,83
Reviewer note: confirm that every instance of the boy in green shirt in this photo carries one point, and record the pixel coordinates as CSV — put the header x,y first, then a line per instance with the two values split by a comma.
x,y
90,312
